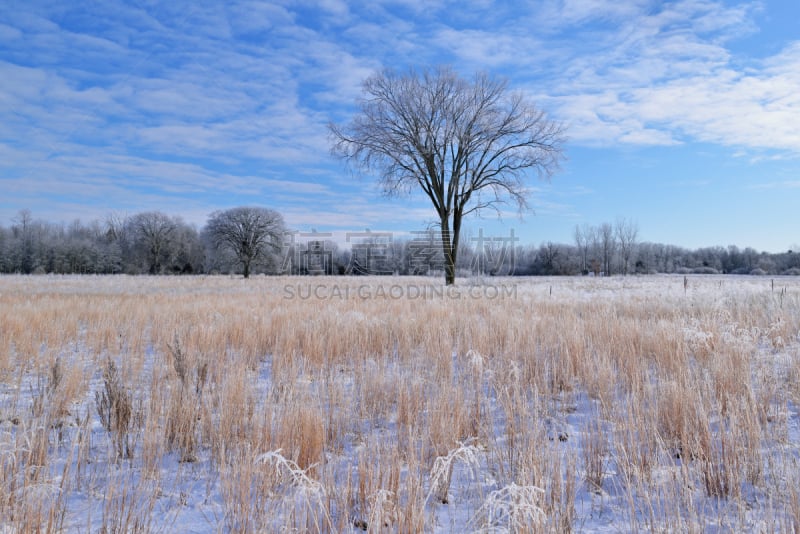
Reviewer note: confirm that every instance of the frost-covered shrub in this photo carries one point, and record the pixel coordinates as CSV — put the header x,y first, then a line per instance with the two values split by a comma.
x,y
443,469
794,271
512,508
758,272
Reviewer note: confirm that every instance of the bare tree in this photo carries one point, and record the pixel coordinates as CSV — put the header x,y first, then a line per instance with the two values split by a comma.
x,y
627,232
23,231
153,232
467,144
593,243
584,236
549,254
116,227
608,245
249,232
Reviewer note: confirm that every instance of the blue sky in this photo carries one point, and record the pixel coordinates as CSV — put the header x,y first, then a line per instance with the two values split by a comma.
x,y
683,116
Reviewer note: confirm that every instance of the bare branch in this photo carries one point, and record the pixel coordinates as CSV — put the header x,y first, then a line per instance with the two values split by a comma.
x,y
248,232
468,145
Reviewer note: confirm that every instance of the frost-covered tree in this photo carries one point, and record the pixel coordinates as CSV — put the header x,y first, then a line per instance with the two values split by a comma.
x,y
608,246
584,236
250,233
153,233
468,144
626,232
22,246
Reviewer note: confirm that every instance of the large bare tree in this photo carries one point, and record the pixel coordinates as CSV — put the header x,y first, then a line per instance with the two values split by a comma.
x,y
467,144
249,232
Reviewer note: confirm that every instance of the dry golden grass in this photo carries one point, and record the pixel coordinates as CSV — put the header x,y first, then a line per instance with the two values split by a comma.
x,y
331,413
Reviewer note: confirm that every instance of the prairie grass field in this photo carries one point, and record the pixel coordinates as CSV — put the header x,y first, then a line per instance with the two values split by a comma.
x,y
381,404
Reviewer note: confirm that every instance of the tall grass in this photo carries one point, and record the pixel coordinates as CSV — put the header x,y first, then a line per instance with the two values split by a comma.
x,y
130,403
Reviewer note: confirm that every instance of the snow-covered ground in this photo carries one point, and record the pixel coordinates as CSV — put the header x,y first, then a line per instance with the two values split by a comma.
x,y
216,404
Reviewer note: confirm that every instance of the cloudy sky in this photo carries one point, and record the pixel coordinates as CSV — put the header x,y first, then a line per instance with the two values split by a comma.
x,y
683,116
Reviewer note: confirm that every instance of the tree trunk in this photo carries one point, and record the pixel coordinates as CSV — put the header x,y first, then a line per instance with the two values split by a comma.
x,y
449,253
450,271
246,265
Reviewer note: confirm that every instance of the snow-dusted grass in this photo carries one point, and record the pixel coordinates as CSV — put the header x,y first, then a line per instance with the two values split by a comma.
x,y
216,404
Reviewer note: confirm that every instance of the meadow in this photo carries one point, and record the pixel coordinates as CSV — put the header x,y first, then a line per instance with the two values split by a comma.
x,y
380,404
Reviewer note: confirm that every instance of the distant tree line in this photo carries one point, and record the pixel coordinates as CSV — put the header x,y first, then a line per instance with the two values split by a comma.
x,y
249,240
145,243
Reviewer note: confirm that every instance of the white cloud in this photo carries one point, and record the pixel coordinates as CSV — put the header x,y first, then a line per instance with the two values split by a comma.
x,y
136,104
337,8
560,13
484,49
248,18
668,78
9,33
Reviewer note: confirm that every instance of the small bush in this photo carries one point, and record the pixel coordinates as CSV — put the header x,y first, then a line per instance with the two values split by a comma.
x,y
512,508
442,470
